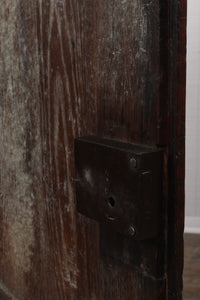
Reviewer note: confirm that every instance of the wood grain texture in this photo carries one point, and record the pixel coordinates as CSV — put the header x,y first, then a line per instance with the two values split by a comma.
x,y
20,147
191,288
128,70
176,159
73,68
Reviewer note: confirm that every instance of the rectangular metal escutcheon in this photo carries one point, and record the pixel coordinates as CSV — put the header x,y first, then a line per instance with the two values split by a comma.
x,y
119,185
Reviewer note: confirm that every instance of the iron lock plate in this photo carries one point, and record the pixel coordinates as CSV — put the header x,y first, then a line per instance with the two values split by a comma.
x,y
119,185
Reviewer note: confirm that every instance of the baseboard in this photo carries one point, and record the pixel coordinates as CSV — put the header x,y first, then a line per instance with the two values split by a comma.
x,y
192,224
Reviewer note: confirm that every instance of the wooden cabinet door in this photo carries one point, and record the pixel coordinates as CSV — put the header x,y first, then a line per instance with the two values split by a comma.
x,y
70,68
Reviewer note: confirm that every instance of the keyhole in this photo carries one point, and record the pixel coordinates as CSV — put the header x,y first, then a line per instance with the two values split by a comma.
x,y
111,201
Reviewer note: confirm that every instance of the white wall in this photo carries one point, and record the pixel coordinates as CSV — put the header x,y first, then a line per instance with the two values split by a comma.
x,y
192,187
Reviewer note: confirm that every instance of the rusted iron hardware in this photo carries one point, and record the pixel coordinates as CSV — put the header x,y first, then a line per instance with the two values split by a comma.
x,y
119,185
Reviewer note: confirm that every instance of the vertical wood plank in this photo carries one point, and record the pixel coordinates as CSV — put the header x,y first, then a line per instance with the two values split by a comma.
x,y
72,68
20,149
128,70
176,146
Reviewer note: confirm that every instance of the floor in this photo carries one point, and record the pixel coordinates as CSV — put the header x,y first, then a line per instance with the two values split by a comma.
x,y
191,275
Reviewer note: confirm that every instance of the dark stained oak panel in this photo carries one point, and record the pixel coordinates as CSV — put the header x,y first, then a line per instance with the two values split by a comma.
x,y
70,68
128,59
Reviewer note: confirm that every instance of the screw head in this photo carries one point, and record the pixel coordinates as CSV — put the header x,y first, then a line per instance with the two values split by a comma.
x,y
133,162
131,230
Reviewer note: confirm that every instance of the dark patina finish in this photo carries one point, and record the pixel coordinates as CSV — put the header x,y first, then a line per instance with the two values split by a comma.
x,y
107,68
119,185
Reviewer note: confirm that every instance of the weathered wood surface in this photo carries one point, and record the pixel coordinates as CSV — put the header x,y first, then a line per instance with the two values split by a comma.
x,y
72,68
176,146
